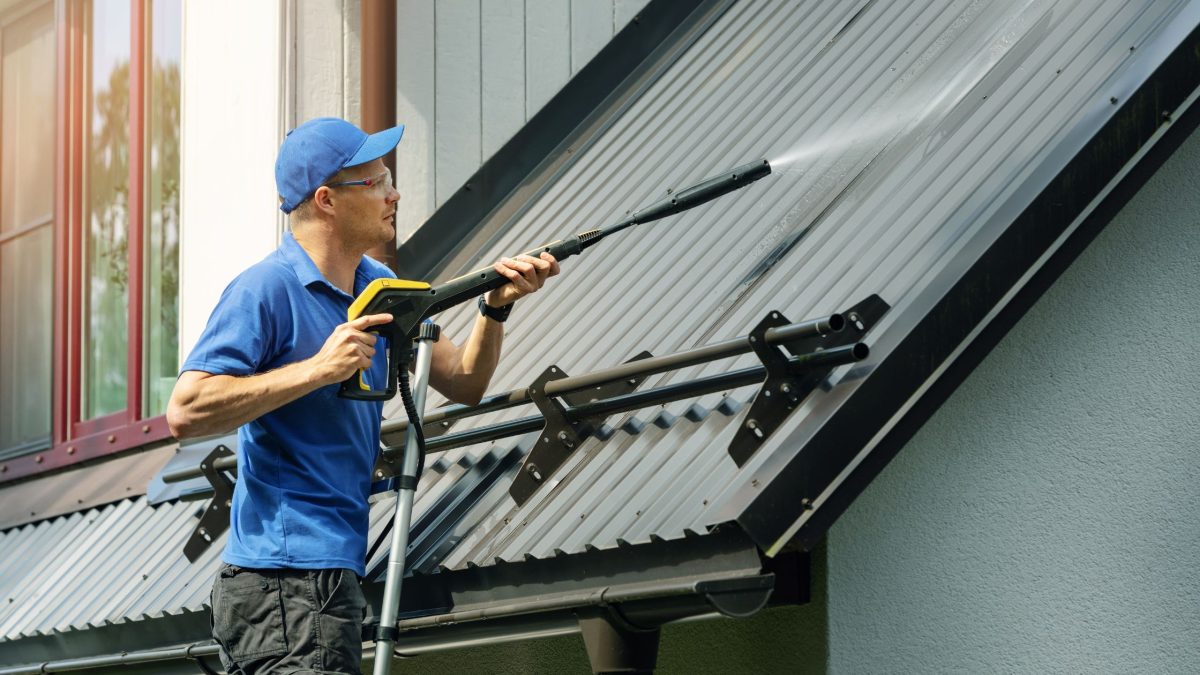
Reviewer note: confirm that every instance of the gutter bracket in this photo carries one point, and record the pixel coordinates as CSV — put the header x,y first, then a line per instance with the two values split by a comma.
x,y
563,433
785,389
215,519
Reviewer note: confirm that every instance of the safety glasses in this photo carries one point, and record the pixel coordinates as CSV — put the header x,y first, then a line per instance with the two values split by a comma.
x,y
383,180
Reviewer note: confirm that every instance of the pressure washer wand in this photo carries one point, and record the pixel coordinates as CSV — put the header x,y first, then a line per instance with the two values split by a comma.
x,y
700,193
411,302
480,281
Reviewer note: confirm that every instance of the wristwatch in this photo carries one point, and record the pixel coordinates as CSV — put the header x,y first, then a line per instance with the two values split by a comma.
x,y
498,314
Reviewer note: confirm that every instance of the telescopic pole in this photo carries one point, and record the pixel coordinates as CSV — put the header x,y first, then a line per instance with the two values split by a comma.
x,y
385,640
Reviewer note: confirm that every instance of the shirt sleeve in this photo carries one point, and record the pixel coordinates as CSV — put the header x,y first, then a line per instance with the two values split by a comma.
x,y
238,337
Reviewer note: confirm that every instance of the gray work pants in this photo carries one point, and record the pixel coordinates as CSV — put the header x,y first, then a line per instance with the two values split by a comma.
x,y
288,620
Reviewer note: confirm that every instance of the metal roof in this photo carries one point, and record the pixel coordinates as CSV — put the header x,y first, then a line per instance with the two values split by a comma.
x,y
919,131
906,137
124,561
121,562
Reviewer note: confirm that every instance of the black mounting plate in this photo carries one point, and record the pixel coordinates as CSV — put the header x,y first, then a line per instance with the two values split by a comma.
x,y
783,391
562,435
215,520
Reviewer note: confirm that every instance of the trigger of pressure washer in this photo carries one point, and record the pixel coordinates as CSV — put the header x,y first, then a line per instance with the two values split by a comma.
x,y
400,298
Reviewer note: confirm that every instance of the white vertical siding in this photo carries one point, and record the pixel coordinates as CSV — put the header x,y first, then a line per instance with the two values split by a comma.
x,y
416,163
457,94
503,66
320,83
624,11
591,29
547,49
231,129
328,58
473,72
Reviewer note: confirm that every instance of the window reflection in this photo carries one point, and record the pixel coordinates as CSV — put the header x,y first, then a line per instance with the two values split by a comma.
x,y
162,213
27,68
106,273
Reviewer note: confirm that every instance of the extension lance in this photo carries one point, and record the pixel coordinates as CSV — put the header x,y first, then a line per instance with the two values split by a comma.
x,y
411,302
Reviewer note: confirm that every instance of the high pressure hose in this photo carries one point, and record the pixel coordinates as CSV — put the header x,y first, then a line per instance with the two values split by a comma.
x,y
414,423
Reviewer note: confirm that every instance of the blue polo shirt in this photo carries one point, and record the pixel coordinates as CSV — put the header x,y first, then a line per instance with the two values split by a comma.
x,y
304,469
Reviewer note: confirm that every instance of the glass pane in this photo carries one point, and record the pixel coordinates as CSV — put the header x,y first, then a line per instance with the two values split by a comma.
x,y
27,71
162,213
106,225
25,331
27,120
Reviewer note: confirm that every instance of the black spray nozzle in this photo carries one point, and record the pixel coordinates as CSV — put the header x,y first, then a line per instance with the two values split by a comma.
x,y
687,198
705,191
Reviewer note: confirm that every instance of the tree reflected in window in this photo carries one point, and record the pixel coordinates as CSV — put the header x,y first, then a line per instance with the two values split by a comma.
x,y
106,272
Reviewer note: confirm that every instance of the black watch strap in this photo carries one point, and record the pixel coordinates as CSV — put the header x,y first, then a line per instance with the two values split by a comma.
x,y
499,314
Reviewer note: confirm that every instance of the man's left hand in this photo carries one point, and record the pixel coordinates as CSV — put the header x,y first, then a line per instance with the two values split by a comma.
x,y
526,275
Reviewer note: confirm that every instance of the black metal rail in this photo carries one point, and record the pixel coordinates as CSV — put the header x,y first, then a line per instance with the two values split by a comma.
x,y
392,433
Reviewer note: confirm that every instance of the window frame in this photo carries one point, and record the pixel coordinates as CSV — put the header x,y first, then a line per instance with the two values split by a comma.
x,y
72,438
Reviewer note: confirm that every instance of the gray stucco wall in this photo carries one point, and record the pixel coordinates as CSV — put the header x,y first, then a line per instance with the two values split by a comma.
x,y
1047,517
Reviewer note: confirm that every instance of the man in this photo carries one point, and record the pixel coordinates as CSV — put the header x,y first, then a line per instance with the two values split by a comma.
x,y
270,361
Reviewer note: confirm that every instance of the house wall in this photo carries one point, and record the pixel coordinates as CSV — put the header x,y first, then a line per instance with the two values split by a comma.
x,y
471,73
326,53
230,131
1043,520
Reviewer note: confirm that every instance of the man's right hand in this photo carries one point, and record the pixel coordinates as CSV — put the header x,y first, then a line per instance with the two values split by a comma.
x,y
203,403
348,349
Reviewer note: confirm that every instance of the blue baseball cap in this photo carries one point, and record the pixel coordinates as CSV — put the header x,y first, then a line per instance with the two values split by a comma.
x,y
316,150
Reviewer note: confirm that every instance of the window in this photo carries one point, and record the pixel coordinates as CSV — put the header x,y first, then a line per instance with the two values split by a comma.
x,y
89,193
27,163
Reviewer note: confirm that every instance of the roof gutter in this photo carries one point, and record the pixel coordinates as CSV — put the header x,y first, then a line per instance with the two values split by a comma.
x,y
649,606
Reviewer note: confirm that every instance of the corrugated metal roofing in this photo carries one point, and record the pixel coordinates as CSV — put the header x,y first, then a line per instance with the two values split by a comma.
x,y
916,132
124,561
117,563
919,130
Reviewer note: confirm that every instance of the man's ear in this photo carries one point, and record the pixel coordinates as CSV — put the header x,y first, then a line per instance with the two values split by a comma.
x,y
322,200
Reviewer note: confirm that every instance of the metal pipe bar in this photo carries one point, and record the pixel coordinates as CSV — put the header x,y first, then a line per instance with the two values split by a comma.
x,y
123,659
691,357
669,393
642,399
392,433
651,366
189,472
492,432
